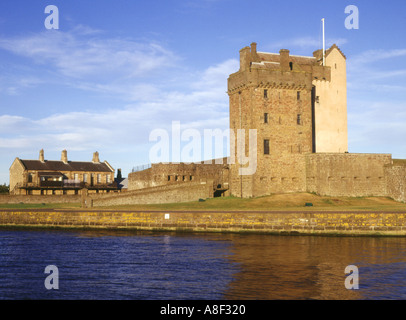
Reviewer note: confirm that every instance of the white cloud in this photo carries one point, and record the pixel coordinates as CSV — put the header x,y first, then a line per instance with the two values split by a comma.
x,y
376,55
376,90
379,124
201,104
12,84
377,71
82,53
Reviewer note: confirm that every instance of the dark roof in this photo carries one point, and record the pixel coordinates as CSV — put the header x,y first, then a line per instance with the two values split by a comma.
x,y
61,166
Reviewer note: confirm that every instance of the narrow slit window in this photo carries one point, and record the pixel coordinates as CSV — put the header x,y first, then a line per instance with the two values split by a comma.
x,y
265,118
299,119
266,146
266,94
298,95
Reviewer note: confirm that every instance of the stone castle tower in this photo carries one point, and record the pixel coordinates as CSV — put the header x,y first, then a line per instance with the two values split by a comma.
x,y
297,106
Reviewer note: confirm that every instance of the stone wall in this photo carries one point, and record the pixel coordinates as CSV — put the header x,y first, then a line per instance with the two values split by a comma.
x,y
396,182
185,192
11,199
297,223
352,175
282,118
161,174
16,175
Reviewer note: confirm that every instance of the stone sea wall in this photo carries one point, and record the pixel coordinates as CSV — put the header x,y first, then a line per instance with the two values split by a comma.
x,y
292,223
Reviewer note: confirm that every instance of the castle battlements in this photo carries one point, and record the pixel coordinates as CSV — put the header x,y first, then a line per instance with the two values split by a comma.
x,y
277,70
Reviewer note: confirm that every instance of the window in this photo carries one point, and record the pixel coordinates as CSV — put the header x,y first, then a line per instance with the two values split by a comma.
x,y
298,95
30,177
266,146
299,119
76,176
108,178
85,177
291,65
98,178
265,118
265,93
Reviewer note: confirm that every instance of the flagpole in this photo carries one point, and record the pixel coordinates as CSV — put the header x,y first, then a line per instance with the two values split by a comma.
x,y
324,45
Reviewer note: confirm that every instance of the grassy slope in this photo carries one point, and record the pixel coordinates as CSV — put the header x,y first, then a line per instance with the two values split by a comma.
x,y
289,202
268,203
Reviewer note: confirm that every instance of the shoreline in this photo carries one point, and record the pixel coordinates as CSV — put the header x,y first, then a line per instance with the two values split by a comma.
x,y
386,234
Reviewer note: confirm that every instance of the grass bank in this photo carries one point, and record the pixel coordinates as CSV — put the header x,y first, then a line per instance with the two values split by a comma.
x,y
277,202
280,202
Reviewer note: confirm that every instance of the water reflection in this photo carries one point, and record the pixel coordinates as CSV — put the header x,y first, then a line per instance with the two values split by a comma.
x,y
277,267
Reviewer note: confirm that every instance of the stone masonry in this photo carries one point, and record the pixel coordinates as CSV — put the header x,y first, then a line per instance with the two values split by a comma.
x,y
298,107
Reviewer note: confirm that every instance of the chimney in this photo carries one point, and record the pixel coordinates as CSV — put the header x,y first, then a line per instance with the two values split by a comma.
x,y
41,156
284,59
119,175
64,157
245,58
96,157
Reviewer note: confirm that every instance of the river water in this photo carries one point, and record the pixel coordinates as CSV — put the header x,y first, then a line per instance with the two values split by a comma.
x,y
125,265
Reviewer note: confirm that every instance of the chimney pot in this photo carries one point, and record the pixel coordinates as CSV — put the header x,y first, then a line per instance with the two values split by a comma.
x,y
96,157
284,59
64,156
41,155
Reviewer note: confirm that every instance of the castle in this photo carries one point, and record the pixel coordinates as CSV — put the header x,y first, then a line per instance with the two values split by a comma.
x,y
298,105
297,108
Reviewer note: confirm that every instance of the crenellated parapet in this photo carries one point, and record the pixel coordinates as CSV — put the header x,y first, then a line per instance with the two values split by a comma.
x,y
261,69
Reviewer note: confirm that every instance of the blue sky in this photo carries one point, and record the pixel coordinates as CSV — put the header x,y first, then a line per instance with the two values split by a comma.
x,y
116,70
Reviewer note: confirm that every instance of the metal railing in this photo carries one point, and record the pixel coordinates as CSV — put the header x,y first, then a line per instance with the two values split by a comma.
x,y
141,167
